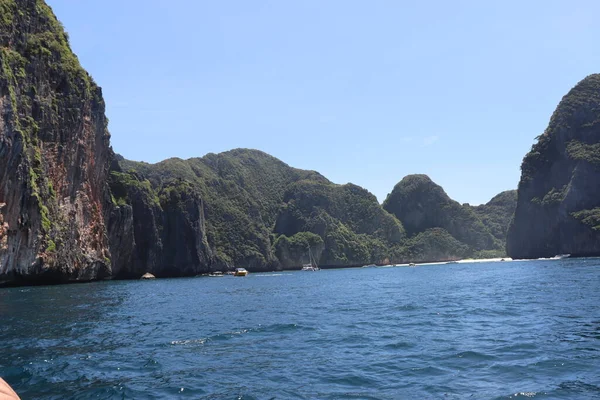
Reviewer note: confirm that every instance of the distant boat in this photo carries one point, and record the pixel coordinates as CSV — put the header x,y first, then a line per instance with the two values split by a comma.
x,y
369,266
561,256
216,274
411,265
240,272
312,263
556,257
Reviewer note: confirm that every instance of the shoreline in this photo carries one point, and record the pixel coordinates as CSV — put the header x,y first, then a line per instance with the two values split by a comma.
x,y
37,282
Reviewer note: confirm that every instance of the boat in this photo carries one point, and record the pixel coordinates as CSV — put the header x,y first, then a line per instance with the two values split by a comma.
x,y
216,274
312,263
411,265
240,272
369,266
229,273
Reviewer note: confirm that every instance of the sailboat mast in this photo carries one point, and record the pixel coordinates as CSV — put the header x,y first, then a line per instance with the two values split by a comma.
x,y
311,259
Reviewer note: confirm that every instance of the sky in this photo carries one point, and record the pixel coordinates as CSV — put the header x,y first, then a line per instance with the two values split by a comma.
x,y
362,91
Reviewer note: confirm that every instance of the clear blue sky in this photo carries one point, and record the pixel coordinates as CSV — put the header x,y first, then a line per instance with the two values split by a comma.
x,y
361,91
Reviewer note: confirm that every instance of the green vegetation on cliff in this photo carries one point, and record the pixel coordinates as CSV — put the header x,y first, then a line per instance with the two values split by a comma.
x,y
85,214
350,220
497,214
256,206
584,152
420,205
259,213
589,217
434,244
53,148
558,195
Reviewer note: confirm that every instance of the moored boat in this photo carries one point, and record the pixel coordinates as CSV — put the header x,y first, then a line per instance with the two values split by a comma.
x,y
312,263
240,272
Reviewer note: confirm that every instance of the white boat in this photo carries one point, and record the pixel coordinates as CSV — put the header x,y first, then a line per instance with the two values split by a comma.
x,y
312,263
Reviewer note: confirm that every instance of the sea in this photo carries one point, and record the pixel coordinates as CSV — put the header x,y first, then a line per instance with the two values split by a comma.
x,y
488,330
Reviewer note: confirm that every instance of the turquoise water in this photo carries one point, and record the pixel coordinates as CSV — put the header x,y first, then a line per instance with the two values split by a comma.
x,y
488,330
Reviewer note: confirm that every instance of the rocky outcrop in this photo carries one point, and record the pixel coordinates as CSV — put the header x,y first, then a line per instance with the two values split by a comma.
x,y
558,208
70,210
352,224
420,204
260,213
496,215
164,233
54,153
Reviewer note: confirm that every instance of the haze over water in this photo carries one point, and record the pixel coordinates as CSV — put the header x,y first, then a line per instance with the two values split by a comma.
x,y
486,330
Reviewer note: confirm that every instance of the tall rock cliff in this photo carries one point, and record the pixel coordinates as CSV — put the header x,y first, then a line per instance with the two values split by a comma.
x,y
162,231
71,210
54,153
558,209
420,204
259,213
352,224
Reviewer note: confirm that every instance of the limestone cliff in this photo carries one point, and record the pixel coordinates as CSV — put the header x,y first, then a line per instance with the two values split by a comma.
x,y
54,153
261,214
164,231
70,210
496,215
354,227
420,204
558,209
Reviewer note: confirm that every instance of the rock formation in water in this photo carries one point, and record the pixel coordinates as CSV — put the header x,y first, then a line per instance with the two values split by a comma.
x,y
165,233
558,208
72,210
54,153
421,205
352,224
259,213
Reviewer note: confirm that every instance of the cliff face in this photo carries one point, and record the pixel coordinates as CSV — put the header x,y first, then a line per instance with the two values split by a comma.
x,y
420,204
54,153
261,214
558,209
71,210
497,214
352,224
162,232
240,192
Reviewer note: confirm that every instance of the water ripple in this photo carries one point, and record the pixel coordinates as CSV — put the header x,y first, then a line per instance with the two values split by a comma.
x,y
498,330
